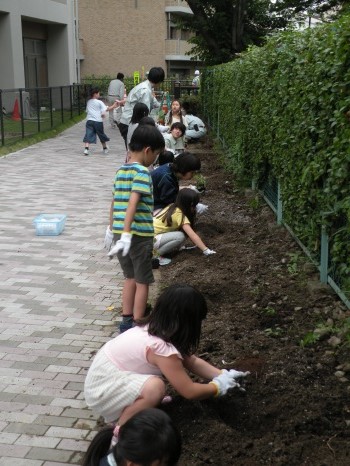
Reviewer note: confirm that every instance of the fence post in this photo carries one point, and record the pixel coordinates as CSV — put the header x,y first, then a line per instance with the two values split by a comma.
x,y
279,205
2,121
38,107
324,255
51,113
61,92
71,101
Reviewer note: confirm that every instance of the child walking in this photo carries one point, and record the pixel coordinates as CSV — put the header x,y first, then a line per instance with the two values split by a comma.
x,y
175,222
96,111
126,374
131,222
149,437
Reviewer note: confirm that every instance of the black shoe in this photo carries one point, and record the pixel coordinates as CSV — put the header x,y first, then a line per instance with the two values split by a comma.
x,y
155,263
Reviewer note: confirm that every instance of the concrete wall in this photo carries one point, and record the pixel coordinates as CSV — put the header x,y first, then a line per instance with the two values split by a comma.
x,y
59,16
122,35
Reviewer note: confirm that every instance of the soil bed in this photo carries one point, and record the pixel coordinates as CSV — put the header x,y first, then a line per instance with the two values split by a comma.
x,y
264,298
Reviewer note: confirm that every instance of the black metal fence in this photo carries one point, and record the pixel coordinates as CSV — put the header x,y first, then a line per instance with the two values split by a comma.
x,y
25,112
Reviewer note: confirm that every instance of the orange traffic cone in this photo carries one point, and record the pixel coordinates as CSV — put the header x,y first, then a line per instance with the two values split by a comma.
x,y
15,113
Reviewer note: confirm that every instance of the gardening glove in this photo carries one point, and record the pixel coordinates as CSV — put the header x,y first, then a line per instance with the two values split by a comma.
x,y
121,245
201,208
108,239
223,383
235,375
208,252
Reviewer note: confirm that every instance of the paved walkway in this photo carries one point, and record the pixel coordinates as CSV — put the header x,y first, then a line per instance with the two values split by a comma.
x,y
54,295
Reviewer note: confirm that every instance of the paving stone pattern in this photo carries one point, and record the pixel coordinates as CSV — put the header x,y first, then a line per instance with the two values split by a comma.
x,y
54,295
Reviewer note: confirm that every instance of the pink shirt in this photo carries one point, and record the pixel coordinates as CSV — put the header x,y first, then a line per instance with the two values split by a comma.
x,y
128,351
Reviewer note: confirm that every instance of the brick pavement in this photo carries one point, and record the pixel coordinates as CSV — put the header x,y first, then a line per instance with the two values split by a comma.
x,y
54,295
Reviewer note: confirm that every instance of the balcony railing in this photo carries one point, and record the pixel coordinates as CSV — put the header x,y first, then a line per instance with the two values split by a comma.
x,y
176,3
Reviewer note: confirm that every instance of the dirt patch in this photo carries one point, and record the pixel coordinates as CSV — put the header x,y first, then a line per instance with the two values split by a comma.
x,y
264,299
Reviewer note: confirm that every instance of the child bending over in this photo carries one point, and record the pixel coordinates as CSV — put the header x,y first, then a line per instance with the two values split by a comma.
x,y
148,438
127,373
166,178
175,222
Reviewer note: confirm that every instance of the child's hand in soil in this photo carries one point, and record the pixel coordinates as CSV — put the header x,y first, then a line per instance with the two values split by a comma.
x,y
223,383
208,252
235,375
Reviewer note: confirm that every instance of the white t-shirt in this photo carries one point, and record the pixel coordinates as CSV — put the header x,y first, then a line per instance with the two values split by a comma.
x,y
95,110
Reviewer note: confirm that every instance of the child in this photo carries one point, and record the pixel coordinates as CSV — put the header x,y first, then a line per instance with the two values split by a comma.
x,y
166,178
139,111
131,222
148,437
125,376
175,114
174,140
166,157
196,128
175,222
96,111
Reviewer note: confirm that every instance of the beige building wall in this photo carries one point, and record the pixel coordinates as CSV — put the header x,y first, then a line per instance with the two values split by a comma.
x,y
121,36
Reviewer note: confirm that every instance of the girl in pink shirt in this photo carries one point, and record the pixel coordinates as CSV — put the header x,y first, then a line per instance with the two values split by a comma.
x,y
126,374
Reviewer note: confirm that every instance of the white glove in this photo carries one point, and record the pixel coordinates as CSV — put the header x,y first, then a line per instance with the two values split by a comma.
x,y
201,208
223,383
235,375
121,245
108,239
208,252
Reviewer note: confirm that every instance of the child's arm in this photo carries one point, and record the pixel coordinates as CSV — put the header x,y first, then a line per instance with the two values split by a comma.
x,y
194,237
173,370
200,367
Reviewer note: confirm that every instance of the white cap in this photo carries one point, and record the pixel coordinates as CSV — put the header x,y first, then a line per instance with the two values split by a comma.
x,y
196,72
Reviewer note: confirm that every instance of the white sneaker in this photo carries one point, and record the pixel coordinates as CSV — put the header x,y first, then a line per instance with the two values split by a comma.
x,y
105,151
164,260
86,151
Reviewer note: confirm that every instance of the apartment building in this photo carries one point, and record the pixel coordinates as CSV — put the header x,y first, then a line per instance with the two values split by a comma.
x,y
38,43
133,35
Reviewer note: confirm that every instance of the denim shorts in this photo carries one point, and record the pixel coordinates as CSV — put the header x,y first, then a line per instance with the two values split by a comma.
x,y
94,128
138,263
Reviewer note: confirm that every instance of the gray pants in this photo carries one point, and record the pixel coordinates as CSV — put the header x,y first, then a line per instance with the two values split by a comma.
x,y
111,100
169,242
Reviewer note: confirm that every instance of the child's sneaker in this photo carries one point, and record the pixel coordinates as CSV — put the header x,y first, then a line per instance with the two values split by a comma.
x,y
105,150
86,151
164,260
126,323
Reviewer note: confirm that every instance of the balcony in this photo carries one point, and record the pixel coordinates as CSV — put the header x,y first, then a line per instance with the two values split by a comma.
x,y
175,49
179,7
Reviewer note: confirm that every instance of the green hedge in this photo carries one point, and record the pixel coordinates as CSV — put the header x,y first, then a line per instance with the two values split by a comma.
x,y
285,109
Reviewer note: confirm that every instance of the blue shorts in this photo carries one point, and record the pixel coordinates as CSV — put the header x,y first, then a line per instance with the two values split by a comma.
x,y
94,128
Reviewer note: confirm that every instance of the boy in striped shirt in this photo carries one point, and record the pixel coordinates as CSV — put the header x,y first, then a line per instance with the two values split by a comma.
x,y
131,221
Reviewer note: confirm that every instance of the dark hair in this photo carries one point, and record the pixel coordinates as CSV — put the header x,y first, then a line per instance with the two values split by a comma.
x,y
148,436
178,125
166,157
186,162
177,317
146,136
187,107
120,76
186,201
147,121
156,75
92,91
139,111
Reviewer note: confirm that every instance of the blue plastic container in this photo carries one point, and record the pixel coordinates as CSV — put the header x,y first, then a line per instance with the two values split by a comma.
x,y
49,224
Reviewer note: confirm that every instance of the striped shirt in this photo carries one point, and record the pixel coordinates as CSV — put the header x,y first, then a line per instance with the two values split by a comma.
x,y
130,178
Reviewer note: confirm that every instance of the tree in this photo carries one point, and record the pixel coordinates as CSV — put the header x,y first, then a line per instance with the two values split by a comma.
x,y
224,28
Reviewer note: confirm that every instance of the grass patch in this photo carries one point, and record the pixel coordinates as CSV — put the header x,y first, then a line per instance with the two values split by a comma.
x,y
17,143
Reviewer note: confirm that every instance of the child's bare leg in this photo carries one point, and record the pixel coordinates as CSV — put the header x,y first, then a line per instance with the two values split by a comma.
x,y
140,303
128,296
152,394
